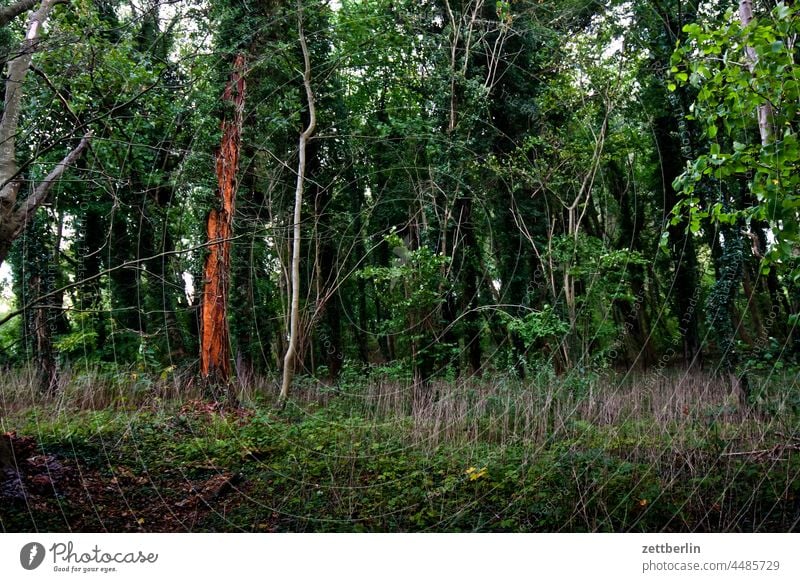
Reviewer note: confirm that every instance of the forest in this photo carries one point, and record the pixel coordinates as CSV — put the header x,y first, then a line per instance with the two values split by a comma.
x,y
399,265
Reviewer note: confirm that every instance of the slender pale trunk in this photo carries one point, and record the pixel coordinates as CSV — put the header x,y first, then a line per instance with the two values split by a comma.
x,y
215,364
294,308
765,116
765,112
574,225
17,71
13,217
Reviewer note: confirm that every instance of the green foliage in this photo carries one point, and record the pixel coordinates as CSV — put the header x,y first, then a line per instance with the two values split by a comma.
x,y
413,282
481,195
413,289
714,60
78,344
11,353
538,326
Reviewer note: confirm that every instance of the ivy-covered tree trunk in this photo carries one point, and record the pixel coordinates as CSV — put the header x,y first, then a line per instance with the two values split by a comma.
x,y
162,287
675,143
125,307
637,348
358,311
245,269
720,308
330,335
471,281
36,275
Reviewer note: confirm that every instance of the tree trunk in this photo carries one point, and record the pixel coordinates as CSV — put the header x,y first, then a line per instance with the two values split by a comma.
x,y
359,247
14,217
92,235
9,13
215,365
685,289
163,293
765,112
294,308
17,71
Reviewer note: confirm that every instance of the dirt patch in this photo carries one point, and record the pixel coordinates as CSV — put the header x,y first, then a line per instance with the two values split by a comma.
x,y
50,492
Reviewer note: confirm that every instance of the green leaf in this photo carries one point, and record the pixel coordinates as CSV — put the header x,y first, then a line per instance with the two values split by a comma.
x,y
782,11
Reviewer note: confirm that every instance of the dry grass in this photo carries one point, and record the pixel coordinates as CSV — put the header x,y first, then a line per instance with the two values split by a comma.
x,y
90,389
21,390
506,410
500,410
684,432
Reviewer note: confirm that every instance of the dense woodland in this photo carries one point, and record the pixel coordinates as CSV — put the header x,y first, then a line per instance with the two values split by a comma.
x,y
310,199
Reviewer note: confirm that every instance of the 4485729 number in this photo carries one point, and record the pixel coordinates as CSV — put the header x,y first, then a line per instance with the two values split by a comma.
x,y
754,565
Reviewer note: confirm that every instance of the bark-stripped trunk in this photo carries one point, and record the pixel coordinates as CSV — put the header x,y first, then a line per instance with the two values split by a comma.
x,y
294,309
215,364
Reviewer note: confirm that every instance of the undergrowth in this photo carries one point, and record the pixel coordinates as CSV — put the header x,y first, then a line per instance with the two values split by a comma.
x,y
382,457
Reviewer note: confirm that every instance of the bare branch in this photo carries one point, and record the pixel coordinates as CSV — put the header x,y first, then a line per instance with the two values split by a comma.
x,y
132,264
24,213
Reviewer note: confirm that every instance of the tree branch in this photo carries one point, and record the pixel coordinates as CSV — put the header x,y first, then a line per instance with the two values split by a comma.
x,y
9,13
23,214
132,264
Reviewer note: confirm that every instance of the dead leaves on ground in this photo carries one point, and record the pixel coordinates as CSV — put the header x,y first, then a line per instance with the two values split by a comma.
x,y
59,493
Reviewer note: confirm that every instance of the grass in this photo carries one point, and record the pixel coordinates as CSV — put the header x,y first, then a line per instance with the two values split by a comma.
x,y
640,453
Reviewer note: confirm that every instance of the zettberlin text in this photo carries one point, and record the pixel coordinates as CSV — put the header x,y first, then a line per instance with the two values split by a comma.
x,y
671,549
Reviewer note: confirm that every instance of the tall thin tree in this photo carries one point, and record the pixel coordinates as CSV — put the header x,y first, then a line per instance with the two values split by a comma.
x,y
16,215
765,112
294,308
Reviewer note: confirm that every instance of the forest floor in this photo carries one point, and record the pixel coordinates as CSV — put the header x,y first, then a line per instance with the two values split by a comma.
x,y
468,458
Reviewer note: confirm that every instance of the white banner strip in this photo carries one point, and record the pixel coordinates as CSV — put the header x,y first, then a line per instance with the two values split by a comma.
x,y
401,557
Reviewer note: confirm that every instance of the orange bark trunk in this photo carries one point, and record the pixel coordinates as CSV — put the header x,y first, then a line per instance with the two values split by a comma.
x,y
214,339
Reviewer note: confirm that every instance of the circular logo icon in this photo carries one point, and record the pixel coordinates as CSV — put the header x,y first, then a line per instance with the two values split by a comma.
x,y
31,555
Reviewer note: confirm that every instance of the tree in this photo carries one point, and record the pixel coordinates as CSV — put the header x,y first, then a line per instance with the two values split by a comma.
x,y
15,214
765,112
215,339
744,72
305,136
660,26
